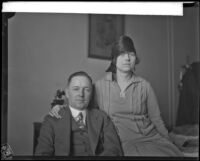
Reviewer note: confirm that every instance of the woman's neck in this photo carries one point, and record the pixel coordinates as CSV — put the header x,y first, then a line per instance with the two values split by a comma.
x,y
123,77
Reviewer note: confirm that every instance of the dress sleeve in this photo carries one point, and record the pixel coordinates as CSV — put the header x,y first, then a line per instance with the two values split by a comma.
x,y
154,112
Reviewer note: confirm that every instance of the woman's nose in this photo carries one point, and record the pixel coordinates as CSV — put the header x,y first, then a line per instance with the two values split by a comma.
x,y
127,56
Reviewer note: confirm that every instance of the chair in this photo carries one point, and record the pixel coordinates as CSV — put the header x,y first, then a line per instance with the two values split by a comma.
x,y
36,133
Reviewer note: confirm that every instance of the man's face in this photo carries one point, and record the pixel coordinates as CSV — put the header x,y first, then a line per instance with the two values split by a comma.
x,y
79,92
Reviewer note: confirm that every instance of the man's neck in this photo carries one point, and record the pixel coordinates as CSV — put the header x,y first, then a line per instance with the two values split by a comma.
x,y
77,109
75,112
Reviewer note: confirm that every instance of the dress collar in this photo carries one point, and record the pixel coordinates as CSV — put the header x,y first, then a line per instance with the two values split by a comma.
x,y
134,79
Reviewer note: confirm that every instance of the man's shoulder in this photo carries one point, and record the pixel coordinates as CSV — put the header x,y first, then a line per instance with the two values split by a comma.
x,y
49,118
99,112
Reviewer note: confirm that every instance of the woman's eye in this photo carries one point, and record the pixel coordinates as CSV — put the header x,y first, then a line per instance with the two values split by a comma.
x,y
123,54
132,54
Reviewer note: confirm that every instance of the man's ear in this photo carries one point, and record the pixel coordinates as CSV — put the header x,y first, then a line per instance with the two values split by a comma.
x,y
66,93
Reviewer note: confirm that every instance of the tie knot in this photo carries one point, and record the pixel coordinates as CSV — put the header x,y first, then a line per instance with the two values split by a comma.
x,y
79,117
79,120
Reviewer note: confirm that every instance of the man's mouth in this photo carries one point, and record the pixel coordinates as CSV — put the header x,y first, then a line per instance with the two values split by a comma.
x,y
127,64
80,100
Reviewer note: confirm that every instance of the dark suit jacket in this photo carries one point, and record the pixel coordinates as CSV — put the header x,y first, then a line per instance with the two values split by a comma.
x,y
55,134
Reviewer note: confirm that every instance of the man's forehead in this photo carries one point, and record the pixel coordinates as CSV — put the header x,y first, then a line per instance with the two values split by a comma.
x,y
80,80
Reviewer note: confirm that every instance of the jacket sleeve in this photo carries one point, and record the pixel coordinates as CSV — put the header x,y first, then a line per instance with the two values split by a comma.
x,y
154,112
45,140
111,141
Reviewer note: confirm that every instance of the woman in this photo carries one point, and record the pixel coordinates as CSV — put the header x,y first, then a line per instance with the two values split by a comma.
x,y
130,102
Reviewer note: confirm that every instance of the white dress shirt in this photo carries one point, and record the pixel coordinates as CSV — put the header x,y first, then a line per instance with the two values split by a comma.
x,y
75,113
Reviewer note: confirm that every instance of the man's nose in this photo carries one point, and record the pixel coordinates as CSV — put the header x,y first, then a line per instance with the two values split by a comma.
x,y
81,92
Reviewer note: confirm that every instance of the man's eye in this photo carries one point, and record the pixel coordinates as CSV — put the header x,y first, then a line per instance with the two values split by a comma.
x,y
75,89
87,89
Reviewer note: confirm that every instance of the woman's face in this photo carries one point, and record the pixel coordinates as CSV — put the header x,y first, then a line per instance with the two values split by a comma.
x,y
126,62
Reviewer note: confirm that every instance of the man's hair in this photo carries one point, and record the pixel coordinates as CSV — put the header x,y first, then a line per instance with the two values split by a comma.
x,y
80,73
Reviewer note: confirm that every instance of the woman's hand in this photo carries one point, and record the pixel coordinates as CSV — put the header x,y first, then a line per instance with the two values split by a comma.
x,y
55,111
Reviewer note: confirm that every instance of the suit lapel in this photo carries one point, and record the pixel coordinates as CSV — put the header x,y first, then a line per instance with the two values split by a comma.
x,y
94,123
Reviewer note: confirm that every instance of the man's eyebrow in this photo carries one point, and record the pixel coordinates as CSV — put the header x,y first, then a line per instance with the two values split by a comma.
x,y
75,86
83,87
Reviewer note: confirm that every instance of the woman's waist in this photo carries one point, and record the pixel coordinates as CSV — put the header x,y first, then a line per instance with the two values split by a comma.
x,y
130,115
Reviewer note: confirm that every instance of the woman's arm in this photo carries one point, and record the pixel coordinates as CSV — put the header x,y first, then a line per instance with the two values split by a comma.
x,y
54,112
58,103
154,111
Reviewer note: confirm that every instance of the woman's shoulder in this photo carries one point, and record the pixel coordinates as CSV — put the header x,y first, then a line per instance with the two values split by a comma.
x,y
106,78
141,79
143,82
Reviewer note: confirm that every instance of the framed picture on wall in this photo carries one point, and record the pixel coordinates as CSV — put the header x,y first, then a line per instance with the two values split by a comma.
x,y
104,29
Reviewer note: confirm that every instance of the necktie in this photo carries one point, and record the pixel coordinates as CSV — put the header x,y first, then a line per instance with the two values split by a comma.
x,y
79,120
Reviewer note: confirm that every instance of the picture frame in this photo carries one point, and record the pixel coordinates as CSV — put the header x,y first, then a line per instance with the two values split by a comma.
x,y
104,29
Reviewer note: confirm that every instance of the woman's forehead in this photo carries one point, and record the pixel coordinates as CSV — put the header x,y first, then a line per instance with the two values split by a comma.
x,y
127,52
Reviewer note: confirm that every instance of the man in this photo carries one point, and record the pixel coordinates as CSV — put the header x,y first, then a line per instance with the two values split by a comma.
x,y
81,131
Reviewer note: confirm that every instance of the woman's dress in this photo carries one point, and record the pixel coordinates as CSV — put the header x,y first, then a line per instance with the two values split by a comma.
x,y
136,116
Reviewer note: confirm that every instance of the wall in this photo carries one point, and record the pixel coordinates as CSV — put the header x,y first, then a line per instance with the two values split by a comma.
x,y
150,35
185,40
43,49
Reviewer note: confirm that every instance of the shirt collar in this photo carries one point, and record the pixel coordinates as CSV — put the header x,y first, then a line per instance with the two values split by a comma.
x,y
75,112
